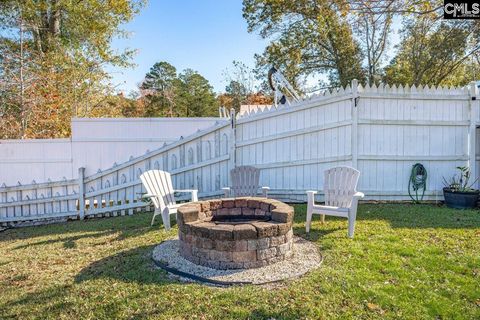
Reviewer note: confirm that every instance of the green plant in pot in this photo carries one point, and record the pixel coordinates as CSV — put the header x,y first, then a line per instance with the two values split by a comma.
x,y
458,191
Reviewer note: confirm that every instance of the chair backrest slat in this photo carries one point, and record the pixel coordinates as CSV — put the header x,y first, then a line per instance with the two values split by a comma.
x,y
245,181
340,185
159,183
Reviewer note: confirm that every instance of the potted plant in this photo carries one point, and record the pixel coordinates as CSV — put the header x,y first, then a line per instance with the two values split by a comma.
x,y
458,193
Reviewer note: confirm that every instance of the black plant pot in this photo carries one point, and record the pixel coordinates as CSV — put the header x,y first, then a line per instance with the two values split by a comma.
x,y
461,200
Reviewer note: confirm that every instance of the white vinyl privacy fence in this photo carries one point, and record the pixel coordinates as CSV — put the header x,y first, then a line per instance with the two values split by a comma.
x,y
95,143
382,131
200,161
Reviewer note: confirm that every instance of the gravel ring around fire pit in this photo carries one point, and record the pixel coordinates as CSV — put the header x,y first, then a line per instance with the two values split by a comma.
x,y
306,257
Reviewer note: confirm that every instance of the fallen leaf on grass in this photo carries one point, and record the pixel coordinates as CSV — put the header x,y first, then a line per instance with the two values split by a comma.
x,y
373,306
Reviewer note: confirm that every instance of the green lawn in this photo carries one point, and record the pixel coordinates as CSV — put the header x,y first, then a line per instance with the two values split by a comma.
x,y
406,261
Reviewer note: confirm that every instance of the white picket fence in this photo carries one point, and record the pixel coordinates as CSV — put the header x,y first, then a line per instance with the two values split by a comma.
x,y
118,190
39,200
382,131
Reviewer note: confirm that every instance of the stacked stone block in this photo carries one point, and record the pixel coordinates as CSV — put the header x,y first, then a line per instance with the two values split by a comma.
x,y
235,233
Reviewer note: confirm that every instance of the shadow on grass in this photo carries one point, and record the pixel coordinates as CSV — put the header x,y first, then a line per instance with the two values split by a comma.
x,y
314,234
68,242
128,226
398,215
23,306
133,265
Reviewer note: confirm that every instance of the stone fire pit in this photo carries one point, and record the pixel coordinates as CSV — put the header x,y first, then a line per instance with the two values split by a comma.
x,y
238,233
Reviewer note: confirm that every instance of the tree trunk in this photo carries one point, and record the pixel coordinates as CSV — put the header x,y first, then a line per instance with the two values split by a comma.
x,y
37,39
22,85
54,21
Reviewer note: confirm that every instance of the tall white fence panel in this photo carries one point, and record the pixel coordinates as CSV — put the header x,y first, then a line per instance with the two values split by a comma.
x,y
96,143
382,131
398,127
293,145
200,161
35,159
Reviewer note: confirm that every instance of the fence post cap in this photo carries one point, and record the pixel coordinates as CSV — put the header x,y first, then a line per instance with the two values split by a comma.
x,y
473,89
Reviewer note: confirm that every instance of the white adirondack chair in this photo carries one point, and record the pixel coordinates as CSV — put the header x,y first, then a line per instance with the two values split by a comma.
x,y
341,197
159,188
245,183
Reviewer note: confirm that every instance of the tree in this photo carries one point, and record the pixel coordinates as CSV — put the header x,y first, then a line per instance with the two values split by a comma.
x,y
195,95
434,52
310,38
349,39
230,100
241,85
133,105
53,57
241,88
187,94
240,81
373,28
159,89
238,94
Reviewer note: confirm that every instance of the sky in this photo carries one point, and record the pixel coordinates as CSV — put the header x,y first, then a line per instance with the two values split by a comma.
x,y
205,36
